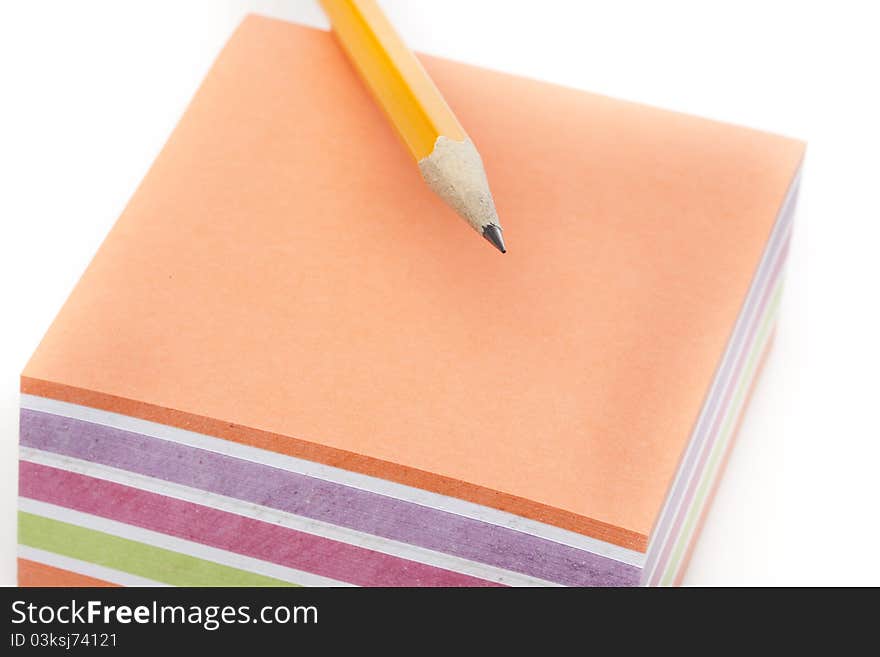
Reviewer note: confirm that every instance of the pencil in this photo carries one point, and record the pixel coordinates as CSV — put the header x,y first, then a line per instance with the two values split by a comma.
x,y
447,158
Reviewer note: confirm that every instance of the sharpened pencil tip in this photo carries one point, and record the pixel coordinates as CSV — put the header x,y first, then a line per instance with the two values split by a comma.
x,y
493,234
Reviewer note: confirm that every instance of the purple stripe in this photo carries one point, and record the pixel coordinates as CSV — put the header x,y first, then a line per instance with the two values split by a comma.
x,y
231,532
779,236
713,434
690,478
714,431
325,501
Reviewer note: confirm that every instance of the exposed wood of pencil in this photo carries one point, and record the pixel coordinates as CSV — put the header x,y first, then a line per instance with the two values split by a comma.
x,y
447,158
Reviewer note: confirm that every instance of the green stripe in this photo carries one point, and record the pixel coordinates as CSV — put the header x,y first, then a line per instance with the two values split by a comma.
x,y
720,446
157,564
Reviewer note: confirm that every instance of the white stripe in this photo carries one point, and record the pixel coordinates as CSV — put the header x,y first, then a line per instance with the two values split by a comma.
x,y
657,547
709,475
110,575
276,517
746,318
659,569
174,544
724,374
335,475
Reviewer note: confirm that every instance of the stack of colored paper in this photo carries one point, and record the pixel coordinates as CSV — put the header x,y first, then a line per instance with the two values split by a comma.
x,y
290,363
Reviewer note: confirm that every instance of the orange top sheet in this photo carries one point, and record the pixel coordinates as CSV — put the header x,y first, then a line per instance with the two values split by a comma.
x,y
283,277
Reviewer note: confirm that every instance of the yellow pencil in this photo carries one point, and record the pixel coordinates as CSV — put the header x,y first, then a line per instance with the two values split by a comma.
x,y
446,156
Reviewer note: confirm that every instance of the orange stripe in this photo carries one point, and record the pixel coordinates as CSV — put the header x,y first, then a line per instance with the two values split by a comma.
x,y
340,459
710,498
31,573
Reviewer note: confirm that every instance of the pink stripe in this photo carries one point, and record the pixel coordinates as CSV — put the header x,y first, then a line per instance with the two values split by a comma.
x,y
714,428
231,532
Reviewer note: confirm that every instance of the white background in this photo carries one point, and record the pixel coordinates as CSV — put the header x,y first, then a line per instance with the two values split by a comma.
x,y
89,91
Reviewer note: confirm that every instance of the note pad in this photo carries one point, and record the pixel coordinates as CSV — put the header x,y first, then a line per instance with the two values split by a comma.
x,y
290,364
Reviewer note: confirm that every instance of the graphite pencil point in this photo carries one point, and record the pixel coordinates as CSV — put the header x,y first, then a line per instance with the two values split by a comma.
x,y
494,235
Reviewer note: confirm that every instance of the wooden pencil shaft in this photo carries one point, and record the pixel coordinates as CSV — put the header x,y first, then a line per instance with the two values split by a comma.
x,y
448,160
